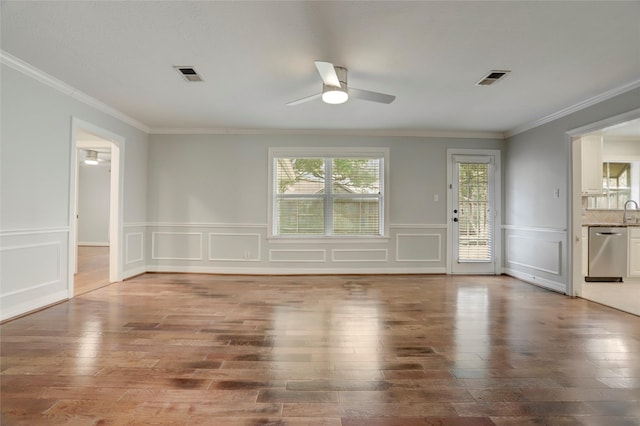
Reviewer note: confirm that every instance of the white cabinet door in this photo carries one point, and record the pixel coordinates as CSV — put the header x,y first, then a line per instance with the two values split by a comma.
x,y
634,252
591,165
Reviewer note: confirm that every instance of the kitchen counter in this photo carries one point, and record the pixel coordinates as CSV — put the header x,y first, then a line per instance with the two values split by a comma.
x,y
612,225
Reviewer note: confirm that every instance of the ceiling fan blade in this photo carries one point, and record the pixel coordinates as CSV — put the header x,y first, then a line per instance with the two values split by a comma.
x,y
303,100
371,96
328,73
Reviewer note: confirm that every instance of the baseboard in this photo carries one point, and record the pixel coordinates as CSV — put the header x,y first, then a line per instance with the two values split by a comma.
x,y
93,244
535,280
33,305
130,273
293,271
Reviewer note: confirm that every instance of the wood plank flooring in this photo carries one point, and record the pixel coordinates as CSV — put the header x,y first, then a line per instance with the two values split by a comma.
x,y
93,269
186,349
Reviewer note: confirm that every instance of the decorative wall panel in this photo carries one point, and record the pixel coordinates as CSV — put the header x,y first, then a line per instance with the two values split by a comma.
x,y
134,247
34,270
176,245
234,247
304,255
539,254
418,247
359,255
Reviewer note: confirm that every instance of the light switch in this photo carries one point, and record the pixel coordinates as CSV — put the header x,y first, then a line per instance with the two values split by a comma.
x,y
436,198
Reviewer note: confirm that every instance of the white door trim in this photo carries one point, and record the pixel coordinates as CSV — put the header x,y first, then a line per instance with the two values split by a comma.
x,y
116,199
497,229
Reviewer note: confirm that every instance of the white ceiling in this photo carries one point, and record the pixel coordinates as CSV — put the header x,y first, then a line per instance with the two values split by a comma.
x,y
257,56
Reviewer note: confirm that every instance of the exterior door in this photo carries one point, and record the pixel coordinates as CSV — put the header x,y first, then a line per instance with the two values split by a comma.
x,y
473,214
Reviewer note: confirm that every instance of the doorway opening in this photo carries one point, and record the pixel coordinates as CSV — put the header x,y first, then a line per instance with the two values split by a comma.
x,y
591,191
474,194
95,206
92,213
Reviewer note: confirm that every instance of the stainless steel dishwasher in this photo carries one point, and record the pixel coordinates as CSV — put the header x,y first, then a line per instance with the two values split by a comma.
x,y
607,253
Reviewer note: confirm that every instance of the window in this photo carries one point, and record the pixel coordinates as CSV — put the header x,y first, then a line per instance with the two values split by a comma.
x,y
315,194
617,186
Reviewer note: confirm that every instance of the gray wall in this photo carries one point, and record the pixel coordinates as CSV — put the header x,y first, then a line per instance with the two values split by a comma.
x,y
35,181
93,204
201,185
223,178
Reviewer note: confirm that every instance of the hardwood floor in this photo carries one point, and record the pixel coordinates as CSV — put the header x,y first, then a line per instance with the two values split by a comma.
x,y
174,349
93,269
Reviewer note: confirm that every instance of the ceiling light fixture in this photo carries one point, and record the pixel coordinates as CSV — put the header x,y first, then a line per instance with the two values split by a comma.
x,y
92,158
334,95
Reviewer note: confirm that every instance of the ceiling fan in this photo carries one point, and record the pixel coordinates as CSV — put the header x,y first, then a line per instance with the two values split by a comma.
x,y
335,89
95,156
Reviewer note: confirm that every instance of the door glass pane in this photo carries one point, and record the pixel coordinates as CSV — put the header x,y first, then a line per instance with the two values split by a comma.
x,y
474,235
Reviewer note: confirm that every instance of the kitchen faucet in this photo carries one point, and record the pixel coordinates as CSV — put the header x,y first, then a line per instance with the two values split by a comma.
x,y
625,219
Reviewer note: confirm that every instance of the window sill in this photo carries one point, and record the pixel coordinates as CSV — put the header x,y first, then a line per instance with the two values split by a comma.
x,y
327,240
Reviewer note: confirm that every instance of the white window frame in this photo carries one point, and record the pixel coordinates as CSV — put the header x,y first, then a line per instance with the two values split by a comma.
x,y
297,152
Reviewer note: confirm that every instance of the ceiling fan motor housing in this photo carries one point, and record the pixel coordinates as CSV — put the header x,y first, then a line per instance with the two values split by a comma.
x,y
334,94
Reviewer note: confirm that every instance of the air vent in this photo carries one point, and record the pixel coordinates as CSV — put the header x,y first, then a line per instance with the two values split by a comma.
x,y
189,73
492,77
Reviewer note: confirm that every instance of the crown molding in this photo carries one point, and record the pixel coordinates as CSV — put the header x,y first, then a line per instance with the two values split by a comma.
x,y
448,134
574,108
38,75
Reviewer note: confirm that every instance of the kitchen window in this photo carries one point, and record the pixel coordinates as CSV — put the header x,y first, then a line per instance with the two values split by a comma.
x,y
619,180
335,193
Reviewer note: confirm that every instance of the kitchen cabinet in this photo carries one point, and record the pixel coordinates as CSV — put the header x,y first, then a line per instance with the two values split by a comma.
x,y
634,252
591,164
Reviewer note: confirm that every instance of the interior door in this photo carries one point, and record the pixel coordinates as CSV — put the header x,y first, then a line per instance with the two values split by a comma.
x,y
473,214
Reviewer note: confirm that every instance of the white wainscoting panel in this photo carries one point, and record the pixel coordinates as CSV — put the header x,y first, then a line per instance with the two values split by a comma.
x,y
296,255
359,255
176,245
418,247
234,247
30,266
34,270
134,248
247,248
539,254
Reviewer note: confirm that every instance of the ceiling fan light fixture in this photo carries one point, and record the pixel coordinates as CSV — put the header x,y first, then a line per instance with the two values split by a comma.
x,y
92,158
334,95
335,89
